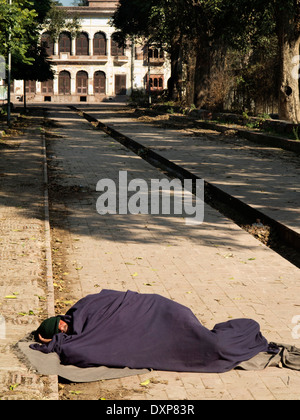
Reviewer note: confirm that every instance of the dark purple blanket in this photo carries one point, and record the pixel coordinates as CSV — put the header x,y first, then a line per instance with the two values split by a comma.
x,y
128,329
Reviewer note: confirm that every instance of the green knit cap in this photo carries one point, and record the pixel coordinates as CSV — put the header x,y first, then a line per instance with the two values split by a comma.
x,y
49,327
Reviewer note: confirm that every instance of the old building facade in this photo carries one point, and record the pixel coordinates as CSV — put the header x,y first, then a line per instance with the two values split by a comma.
x,y
92,67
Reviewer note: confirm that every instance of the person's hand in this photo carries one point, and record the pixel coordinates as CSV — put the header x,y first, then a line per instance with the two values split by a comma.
x,y
44,340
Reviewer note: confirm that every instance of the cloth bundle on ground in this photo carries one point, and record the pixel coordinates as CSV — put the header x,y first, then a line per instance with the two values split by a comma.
x,y
49,364
138,331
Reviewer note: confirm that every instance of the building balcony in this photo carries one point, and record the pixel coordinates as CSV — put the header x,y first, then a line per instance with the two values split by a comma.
x,y
64,58
154,61
120,59
101,58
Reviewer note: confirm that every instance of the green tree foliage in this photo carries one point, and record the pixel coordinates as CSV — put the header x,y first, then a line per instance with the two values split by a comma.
x,y
21,24
161,22
263,36
281,19
38,69
24,20
58,20
17,28
188,29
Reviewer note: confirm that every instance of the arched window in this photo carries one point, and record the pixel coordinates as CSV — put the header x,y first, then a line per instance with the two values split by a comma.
x,y
64,83
99,82
82,44
82,83
156,82
156,54
115,49
47,43
64,42
99,44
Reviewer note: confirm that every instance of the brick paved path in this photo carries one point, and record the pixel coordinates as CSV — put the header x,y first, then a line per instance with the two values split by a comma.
x,y
264,177
216,269
23,293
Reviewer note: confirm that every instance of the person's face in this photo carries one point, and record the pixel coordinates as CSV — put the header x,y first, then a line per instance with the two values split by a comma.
x,y
63,326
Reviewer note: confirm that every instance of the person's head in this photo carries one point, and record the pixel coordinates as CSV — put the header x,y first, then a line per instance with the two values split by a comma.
x,y
50,327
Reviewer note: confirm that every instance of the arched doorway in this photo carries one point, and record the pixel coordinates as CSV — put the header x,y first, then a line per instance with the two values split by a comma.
x,y
64,83
82,83
120,84
100,83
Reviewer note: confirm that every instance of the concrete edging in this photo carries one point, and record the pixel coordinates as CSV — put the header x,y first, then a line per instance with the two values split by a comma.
x,y
53,379
260,138
202,119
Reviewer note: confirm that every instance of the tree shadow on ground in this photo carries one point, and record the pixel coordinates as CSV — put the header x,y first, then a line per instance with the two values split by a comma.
x,y
78,156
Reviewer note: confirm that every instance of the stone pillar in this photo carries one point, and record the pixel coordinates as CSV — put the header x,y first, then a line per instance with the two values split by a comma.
x,y
91,46
91,82
56,47
108,45
73,46
110,68
55,84
73,83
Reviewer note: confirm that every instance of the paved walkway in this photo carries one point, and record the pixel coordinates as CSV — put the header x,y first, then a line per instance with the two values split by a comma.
x,y
23,292
216,269
263,177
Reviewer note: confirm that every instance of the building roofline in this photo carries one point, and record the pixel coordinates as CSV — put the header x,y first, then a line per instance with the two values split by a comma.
x,y
86,10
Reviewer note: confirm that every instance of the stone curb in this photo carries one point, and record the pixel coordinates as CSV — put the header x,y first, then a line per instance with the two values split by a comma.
x,y
53,379
256,137
260,138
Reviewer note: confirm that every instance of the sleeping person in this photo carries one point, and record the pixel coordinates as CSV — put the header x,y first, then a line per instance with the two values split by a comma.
x,y
134,330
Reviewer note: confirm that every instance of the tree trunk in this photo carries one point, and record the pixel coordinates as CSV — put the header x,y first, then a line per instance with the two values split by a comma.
x,y
189,72
174,88
289,95
202,73
24,95
190,80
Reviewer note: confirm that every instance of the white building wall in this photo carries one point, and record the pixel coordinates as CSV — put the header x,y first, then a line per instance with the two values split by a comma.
x,y
73,64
